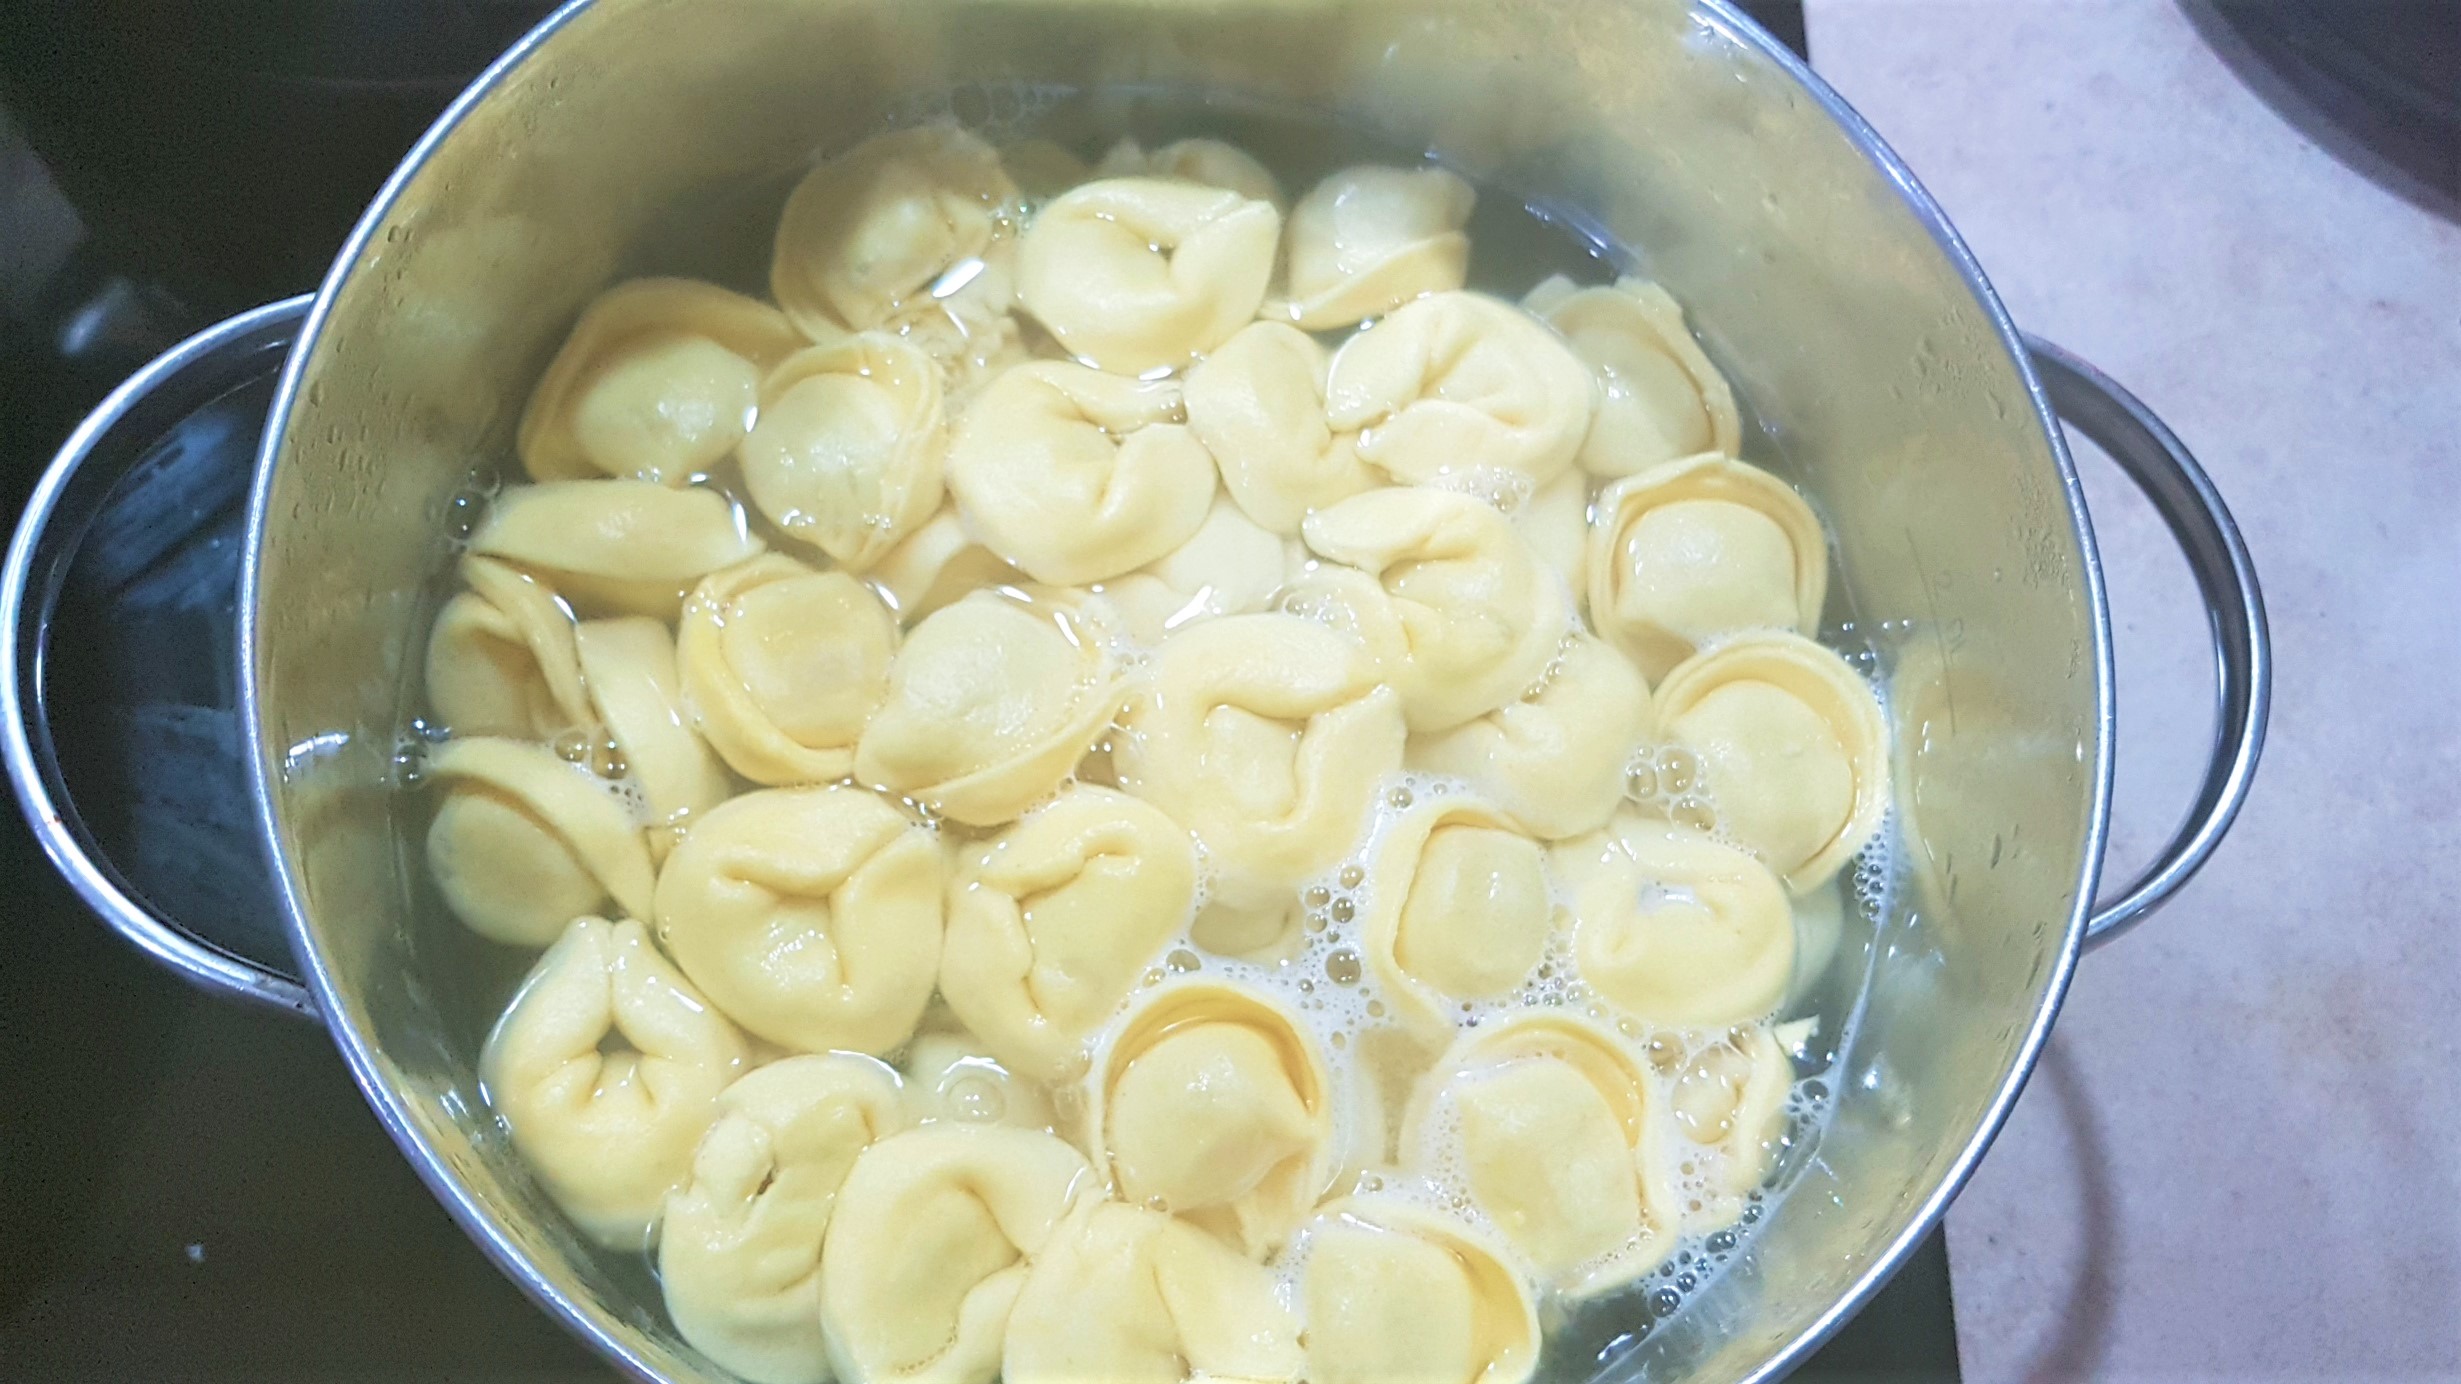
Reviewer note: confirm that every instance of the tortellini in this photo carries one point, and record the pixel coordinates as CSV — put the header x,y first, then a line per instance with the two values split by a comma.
x,y
739,1251
1460,908
1460,382
1230,566
1394,1292
1258,405
524,842
1214,1103
1728,1101
630,547
951,1075
1554,521
992,702
1792,749
848,451
1368,239
1686,553
1074,475
935,565
1675,928
500,658
1478,619
1659,398
811,915
1554,760
1267,735
1051,922
1207,161
1138,274
606,1067
931,1243
657,382
886,226
630,664
1130,1296
1550,1120
783,667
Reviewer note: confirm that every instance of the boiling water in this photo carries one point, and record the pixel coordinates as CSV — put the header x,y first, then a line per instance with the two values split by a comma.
x,y
726,239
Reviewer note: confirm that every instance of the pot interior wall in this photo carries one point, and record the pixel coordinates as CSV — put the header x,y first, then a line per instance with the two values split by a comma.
x,y
1882,380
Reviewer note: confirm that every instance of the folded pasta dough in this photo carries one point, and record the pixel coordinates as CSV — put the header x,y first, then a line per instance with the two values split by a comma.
x,y
1229,566
1728,1100
1139,274
1370,238
812,916
1792,747
783,666
1258,405
630,664
1479,619
1052,922
1207,161
992,702
1394,1292
1130,1296
1554,521
1684,554
523,842
1457,383
951,1075
1458,908
606,1068
1214,1103
1554,761
936,564
1551,1122
875,230
1676,928
848,451
616,546
500,658
739,1252
1074,475
1659,398
656,383
931,1242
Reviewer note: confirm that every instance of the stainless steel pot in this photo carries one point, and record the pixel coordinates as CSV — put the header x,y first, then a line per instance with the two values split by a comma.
x,y
1827,283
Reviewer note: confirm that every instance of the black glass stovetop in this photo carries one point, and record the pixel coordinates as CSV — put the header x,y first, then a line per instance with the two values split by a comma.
x,y
191,1189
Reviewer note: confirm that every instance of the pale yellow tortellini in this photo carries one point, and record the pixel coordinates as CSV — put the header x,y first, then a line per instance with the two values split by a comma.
x,y
1370,238
1686,553
1675,928
739,1252
936,564
1394,1292
1130,1296
1554,760
1659,398
811,915
1207,161
1139,274
1728,1100
524,842
1052,922
783,666
1213,1102
1460,383
616,546
931,1243
1230,566
1267,736
630,664
1479,619
1554,521
500,658
1458,908
657,382
606,1068
1074,475
1792,746
1550,1120
887,226
993,701
848,451
951,1075
1258,405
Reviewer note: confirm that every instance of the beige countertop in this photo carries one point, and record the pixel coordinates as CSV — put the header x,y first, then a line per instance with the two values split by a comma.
x,y
2241,1157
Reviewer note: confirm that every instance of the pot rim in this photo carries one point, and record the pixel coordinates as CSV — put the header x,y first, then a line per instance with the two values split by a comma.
x,y
484,1222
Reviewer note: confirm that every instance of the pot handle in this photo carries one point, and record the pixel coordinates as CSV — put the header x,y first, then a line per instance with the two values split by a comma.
x,y
148,569
2095,405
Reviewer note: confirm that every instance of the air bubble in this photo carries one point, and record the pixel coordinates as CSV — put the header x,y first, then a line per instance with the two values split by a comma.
x,y
1399,798
1344,910
1183,960
1342,967
1318,896
1351,877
